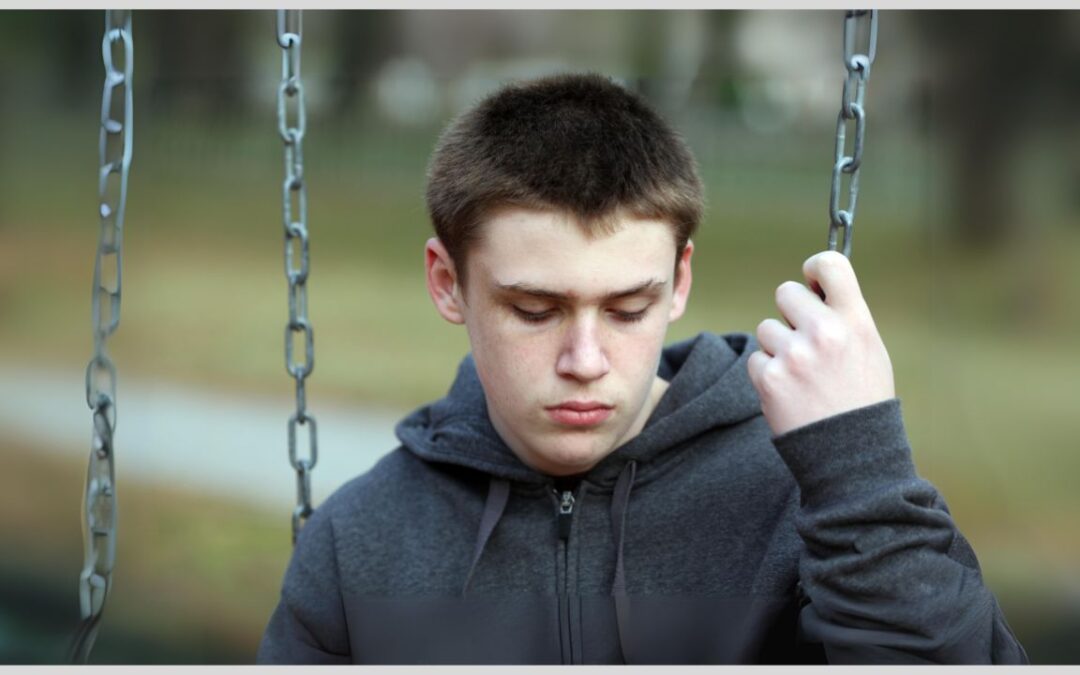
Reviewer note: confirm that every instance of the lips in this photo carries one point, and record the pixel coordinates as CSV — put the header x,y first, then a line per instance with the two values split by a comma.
x,y
579,413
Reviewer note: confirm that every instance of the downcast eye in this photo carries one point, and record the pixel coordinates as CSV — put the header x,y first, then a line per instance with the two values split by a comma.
x,y
532,317
630,317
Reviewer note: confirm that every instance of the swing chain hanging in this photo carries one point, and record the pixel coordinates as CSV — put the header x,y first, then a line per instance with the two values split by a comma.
x,y
99,504
851,111
291,126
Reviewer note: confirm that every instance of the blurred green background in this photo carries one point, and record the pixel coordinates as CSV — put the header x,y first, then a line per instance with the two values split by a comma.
x,y
967,243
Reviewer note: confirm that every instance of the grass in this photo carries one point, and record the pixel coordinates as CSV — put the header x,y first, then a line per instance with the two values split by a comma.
x,y
195,580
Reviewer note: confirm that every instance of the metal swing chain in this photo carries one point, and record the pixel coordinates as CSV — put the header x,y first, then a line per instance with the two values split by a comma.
x,y
99,505
851,110
291,127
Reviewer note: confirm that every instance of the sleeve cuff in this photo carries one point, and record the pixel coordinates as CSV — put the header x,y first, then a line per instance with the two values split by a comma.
x,y
857,451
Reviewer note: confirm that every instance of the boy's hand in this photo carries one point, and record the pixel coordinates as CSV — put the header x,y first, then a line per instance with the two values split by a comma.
x,y
830,360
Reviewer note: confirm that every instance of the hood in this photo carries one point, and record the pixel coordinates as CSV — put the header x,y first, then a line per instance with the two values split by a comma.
x,y
709,388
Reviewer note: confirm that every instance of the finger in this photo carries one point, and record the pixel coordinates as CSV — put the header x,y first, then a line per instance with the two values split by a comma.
x,y
832,274
798,304
773,336
755,366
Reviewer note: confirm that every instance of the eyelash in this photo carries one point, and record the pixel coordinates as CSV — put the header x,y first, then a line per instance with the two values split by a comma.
x,y
631,317
531,317
540,317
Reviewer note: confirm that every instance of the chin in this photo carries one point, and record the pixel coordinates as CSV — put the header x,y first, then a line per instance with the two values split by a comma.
x,y
571,455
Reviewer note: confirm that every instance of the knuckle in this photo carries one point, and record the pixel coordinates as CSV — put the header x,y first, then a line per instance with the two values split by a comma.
x,y
800,356
762,329
753,368
830,336
761,382
772,376
753,364
758,365
785,288
827,264
833,260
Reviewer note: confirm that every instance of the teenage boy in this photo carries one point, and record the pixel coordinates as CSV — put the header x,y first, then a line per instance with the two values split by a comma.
x,y
585,495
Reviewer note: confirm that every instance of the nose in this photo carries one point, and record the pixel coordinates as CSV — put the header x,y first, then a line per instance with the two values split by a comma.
x,y
582,354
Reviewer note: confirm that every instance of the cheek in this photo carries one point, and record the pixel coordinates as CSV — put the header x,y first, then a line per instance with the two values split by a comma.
x,y
518,372
637,355
509,367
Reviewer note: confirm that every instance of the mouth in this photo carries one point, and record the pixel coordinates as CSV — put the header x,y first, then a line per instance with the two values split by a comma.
x,y
579,413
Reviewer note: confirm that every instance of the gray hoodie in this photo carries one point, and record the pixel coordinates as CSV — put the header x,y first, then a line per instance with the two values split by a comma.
x,y
702,540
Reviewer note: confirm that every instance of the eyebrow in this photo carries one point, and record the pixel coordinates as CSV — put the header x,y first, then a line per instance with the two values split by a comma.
x,y
646,287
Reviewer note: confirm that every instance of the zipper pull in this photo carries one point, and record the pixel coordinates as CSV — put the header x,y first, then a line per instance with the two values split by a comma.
x,y
566,512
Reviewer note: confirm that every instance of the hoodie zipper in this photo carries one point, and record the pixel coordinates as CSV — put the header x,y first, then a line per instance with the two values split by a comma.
x,y
566,513
564,519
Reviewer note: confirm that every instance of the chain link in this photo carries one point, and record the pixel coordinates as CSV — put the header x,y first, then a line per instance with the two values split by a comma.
x,y
99,505
853,113
292,123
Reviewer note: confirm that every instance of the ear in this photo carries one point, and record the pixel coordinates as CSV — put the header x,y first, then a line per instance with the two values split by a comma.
x,y
683,280
442,282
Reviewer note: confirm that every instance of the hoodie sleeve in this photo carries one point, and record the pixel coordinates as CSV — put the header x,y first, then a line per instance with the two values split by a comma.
x,y
308,625
888,576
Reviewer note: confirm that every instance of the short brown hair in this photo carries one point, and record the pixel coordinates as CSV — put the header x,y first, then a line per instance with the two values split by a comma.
x,y
574,143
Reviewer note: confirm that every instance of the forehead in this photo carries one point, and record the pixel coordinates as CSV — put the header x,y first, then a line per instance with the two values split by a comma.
x,y
551,250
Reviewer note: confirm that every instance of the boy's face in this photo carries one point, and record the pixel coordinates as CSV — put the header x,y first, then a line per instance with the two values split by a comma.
x,y
566,330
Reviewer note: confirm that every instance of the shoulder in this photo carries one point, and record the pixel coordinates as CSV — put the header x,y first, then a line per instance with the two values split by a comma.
x,y
359,512
396,480
377,533
400,490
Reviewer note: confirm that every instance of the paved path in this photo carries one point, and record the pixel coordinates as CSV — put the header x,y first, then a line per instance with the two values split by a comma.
x,y
201,440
